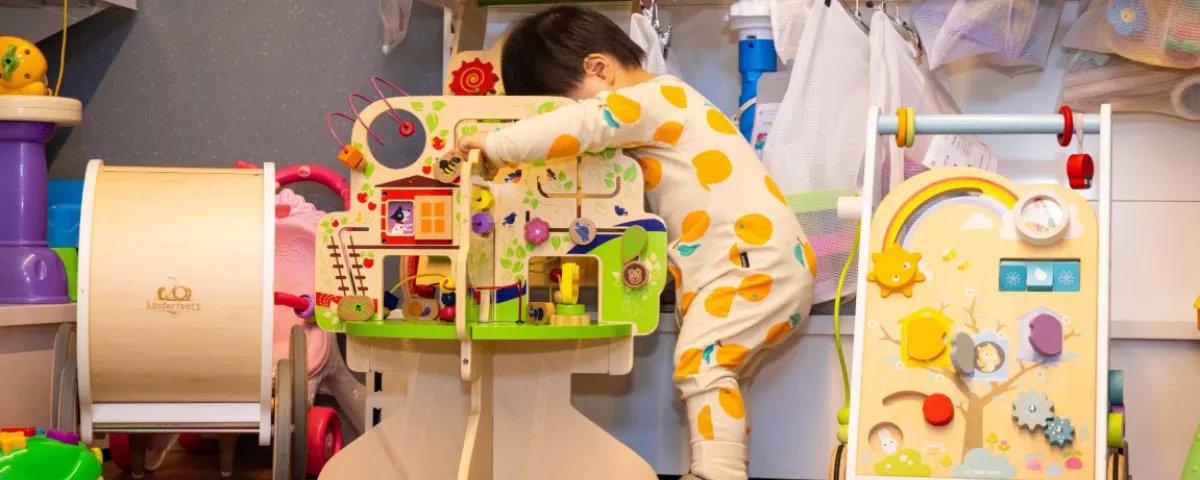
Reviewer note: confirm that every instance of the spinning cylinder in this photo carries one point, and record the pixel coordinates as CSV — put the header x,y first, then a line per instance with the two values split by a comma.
x,y
175,297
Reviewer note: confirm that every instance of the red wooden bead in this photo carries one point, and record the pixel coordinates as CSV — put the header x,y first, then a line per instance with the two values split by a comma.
x,y
938,410
1064,138
1080,170
446,314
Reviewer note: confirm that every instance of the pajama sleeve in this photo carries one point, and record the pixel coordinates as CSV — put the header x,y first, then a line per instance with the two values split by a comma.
x,y
648,114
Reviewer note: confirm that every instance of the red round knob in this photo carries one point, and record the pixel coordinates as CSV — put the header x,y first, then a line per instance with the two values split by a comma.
x,y
446,314
938,410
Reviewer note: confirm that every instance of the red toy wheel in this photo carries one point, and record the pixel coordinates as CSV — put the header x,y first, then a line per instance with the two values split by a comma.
x,y
194,443
118,447
324,438
406,128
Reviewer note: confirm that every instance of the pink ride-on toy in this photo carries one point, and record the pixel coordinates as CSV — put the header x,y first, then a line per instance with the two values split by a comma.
x,y
295,240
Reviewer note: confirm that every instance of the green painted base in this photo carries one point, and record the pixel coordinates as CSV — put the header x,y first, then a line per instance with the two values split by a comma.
x,y
428,330
514,331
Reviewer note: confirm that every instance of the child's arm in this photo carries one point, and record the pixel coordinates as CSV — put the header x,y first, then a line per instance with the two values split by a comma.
x,y
631,117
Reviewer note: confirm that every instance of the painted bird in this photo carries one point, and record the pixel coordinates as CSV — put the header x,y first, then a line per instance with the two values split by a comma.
x,y
510,218
550,173
514,177
584,234
621,212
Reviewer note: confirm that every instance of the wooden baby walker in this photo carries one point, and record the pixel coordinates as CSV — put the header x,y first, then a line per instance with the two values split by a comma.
x,y
175,315
981,340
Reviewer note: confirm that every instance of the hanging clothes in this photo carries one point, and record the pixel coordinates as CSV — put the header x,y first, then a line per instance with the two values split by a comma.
x,y
644,35
816,144
897,80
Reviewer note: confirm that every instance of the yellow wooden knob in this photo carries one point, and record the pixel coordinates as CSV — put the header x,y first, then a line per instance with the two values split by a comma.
x,y
926,339
568,285
481,199
447,284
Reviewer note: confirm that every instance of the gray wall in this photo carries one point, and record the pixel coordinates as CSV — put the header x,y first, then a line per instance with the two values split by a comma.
x,y
207,82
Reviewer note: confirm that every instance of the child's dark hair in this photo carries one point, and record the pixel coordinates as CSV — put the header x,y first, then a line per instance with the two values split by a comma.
x,y
544,53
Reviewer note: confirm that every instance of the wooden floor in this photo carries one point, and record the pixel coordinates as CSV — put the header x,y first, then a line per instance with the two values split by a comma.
x,y
252,463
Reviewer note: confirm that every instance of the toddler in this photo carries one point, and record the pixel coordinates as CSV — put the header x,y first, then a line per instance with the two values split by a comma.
x,y
741,266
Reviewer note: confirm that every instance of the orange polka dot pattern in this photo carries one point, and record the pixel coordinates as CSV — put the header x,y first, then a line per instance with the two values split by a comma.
x,y
741,268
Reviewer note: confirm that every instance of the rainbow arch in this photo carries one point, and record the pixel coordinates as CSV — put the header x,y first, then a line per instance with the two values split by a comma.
x,y
929,198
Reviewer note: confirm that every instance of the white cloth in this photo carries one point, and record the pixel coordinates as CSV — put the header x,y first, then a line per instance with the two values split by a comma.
x,y
818,139
644,35
394,14
787,24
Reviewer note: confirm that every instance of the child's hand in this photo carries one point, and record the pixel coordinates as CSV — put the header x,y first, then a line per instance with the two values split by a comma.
x,y
474,141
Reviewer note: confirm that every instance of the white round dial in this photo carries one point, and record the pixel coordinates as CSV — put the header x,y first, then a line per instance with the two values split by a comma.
x,y
1042,218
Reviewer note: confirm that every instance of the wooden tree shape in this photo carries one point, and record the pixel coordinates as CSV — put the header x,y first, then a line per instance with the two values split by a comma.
x,y
974,402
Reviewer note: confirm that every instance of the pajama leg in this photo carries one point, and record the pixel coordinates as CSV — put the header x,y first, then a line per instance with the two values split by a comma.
x,y
717,422
723,328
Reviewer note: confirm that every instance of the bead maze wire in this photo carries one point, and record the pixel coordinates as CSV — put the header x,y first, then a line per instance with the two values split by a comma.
x,y
405,127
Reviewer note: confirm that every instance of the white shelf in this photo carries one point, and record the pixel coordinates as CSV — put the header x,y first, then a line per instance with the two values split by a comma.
x,y
22,315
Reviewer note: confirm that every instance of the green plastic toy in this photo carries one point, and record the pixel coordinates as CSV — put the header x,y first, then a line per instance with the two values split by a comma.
x,y
46,459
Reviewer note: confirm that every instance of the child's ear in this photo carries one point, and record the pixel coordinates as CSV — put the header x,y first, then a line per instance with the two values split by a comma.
x,y
596,65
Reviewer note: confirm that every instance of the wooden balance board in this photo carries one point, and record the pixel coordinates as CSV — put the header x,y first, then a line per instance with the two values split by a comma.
x,y
175,287
978,342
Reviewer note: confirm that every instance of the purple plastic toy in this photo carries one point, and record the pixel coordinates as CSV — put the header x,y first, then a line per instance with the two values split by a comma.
x,y
30,272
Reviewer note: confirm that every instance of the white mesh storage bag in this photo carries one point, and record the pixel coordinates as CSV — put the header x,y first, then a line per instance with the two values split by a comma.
x,y
1159,32
644,35
1015,33
1087,32
815,147
897,80
1093,79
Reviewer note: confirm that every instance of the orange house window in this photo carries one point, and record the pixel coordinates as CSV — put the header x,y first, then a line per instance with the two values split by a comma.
x,y
433,217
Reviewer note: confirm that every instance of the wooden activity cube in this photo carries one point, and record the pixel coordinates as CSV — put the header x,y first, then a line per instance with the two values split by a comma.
x,y
978,351
484,391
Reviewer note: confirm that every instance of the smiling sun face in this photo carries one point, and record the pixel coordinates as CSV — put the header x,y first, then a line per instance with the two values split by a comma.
x,y
895,270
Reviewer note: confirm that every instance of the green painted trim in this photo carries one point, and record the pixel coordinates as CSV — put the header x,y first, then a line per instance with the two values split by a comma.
x,y
422,329
514,331
570,309
324,316
817,201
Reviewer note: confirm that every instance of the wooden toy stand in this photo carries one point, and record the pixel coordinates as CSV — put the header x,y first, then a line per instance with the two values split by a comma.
x,y
486,395
982,331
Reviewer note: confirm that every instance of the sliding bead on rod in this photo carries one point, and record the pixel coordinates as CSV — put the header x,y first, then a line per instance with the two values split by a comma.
x,y
989,124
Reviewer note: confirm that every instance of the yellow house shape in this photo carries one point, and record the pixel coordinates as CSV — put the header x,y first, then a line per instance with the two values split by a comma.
x,y
925,338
